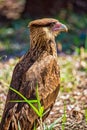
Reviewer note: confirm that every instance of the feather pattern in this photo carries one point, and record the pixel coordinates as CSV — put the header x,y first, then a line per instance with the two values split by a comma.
x,y
39,64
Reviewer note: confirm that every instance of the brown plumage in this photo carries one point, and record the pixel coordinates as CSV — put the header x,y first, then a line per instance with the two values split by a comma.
x,y
40,66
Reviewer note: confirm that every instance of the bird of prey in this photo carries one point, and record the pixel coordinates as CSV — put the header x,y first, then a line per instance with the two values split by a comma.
x,y
38,65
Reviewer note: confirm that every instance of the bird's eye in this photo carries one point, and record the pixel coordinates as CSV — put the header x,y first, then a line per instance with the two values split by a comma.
x,y
50,24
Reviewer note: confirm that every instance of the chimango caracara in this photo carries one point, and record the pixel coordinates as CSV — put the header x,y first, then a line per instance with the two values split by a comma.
x,y
40,66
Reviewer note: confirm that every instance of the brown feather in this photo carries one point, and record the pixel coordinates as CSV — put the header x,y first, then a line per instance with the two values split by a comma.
x,y
38,65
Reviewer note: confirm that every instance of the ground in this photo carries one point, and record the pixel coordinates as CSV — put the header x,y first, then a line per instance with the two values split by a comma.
x,y
70,109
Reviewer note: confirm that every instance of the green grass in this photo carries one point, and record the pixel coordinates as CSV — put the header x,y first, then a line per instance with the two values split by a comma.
x,y
67,78
64,119
39,110
15,37
86,115
52,125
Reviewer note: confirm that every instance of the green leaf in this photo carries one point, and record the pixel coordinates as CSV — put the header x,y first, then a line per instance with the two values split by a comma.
x,y
31,101
86,42
41,111
40,108
38,98
26,100
19,128
64,117
86,115
54,123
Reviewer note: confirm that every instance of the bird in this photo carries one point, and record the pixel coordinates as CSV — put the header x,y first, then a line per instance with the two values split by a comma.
x,y
38,66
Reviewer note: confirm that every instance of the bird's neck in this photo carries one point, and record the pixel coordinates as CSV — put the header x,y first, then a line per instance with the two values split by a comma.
x,y
39,46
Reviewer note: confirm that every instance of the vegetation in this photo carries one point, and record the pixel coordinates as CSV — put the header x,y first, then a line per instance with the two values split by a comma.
x,y
71,103
70,109
14,36
39,110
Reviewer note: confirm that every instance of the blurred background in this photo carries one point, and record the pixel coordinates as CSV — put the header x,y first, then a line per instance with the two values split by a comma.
x,y
16,14
72,49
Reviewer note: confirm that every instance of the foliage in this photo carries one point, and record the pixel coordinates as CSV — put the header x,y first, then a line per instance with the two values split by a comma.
x,y
39,110
64,118
52,125
72,91
14,36
86,115
77,31
14,41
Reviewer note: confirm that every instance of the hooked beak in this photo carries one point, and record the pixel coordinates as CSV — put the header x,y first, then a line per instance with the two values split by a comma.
x,y
60,27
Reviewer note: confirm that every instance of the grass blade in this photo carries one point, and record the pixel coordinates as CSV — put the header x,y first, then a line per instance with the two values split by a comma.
x,y
30,101
26,100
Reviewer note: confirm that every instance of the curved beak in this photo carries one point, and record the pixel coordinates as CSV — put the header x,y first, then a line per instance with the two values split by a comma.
x,y
63,28
60,27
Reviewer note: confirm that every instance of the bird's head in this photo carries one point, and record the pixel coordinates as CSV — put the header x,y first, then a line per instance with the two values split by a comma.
x,y
50,27
46,28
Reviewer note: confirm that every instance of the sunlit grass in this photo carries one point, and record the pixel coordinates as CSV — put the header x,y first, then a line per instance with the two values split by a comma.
x,y
68,84
39,110
64,118
86,115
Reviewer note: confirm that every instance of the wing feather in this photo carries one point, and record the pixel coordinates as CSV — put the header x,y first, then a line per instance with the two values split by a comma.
x,y
42,72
